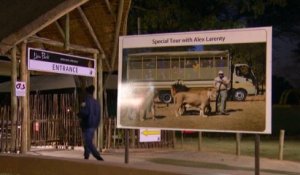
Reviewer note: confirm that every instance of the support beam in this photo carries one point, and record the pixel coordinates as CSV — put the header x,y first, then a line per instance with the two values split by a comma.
x,y
13,97
60,29
24,101
60,44
93,34
117,33
40,23
67,32
109,9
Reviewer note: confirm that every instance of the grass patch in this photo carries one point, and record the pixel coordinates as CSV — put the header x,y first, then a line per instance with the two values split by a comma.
x,y
195,164
268,148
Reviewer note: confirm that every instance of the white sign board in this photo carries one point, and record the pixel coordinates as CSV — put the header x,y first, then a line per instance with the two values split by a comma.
x,y
149,135
150,66
20,89
48,61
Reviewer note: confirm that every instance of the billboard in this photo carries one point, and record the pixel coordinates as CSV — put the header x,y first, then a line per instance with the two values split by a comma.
x,y
48,61
215,81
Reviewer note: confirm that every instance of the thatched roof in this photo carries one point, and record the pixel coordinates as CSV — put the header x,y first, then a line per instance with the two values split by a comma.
x,y
94,26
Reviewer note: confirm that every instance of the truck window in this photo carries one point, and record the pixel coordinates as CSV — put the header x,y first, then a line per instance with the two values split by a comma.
x,y
149,68
135,69
220,61
192,68
206,62
243,71
176,68
163,65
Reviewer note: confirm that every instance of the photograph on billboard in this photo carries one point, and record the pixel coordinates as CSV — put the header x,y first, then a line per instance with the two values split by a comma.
x,y
218,81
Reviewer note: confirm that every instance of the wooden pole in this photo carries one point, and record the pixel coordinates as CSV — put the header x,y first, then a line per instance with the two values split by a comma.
x,y
95,95
199,141
100,98
238,144
28,109
281,144
24,101
14,100
117,33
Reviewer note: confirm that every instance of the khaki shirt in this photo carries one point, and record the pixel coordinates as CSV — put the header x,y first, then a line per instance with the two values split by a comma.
x,y
224,83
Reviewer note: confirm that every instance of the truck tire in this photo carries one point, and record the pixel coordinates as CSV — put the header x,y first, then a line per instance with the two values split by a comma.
x,y
239,95
165,98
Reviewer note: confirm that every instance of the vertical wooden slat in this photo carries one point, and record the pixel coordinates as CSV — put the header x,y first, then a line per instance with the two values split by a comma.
x,y
7,130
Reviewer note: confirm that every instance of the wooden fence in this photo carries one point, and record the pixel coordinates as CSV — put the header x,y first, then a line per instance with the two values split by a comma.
x,y
53,122
10,132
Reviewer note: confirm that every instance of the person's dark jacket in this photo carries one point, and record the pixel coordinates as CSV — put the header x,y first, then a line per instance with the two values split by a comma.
x,y
89,113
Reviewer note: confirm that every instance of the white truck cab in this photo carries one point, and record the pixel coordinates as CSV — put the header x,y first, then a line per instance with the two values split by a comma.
x,y
243,82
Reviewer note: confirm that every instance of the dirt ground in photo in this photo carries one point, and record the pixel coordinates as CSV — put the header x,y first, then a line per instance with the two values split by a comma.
x,y
243,116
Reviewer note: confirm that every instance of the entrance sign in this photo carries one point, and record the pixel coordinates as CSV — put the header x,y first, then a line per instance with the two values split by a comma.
x,y
48,61
151,65
20,89
150,135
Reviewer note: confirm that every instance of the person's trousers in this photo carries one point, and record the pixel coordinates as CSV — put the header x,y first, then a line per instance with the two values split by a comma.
x,y
222,100
88,135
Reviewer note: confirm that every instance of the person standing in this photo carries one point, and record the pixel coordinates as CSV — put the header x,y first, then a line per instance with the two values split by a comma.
x,y
221,83
89,115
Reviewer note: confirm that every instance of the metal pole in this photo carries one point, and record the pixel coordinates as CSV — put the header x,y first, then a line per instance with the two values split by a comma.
x,y
199,141
238,144
257,142
174,138
126,146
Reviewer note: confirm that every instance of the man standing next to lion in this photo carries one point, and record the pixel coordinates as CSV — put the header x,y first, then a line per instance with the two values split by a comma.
x,y
221,83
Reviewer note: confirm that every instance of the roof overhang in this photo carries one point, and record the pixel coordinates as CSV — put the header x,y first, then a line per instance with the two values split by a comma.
x,y
51,13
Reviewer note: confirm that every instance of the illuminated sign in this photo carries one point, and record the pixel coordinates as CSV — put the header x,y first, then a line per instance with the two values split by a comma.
x,y
149,66
48,61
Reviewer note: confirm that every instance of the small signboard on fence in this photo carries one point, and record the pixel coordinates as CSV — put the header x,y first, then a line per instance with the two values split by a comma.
x,y
20,89
150,135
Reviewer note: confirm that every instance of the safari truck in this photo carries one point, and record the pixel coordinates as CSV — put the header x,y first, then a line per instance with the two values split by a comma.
x,y
197,69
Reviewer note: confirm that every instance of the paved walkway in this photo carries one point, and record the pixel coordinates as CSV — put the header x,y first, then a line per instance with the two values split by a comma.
x,y
192,163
